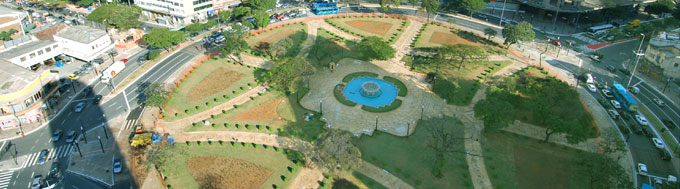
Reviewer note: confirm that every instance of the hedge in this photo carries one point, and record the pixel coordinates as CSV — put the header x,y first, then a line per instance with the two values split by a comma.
x,y
403,91
395,104
351,76
341,97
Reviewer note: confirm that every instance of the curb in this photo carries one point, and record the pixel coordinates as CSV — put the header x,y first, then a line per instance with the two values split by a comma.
x,y
89,177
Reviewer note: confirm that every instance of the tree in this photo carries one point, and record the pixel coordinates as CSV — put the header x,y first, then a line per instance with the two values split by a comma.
x,y
600,171
157,94
262,5
442,141
121,17
463,52
287,74
413,2
660,7
676,13
279,49
490,32
163,38
376,48
84,3
241,12
473,6
195,27
334,151
385,5
430,6
224,16
261,19
7,35
234,37
494,111
516,33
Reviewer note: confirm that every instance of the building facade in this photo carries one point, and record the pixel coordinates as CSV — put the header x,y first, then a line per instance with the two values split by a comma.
x,y
83,42
665,54
176,12
23,95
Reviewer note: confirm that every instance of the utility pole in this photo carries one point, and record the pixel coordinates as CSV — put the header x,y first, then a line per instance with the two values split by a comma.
x,y
78,146
408,128
321,106
422,111
664,87
126,100
82,130
100,143
376,123
500,23
638,54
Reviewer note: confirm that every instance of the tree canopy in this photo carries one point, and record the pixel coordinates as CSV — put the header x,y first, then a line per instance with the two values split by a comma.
x,y
194,28
494,110
373,47
490,32
473,6
659,7
163,38
234,37
463,53
262,5
121,17
7,35
261,19
224,16
516,33
430,6
386,4
287,74
157,94
239,12
84,3
335,151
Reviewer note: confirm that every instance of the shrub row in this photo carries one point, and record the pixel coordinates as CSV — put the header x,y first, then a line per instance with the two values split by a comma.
x,y
403,91
395,104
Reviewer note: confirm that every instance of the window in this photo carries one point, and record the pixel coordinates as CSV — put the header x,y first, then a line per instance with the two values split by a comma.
x,y
32,55
48,49
203,7
28,102
23,59
40,52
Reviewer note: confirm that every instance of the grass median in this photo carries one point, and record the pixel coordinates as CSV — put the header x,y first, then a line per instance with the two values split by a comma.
x,y
666,135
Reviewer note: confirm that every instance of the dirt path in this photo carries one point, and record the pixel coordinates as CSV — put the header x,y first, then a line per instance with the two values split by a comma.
x,y
307,178
326,26
473,129
381,176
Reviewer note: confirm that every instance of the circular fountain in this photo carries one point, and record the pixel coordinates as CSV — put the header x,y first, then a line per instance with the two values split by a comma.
x,y
370,89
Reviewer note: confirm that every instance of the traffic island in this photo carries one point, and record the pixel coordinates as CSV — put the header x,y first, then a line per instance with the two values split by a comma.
x,y
93,156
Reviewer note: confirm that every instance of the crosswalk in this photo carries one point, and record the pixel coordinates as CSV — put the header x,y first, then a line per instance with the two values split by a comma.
x,y
5,177
54,153
129,124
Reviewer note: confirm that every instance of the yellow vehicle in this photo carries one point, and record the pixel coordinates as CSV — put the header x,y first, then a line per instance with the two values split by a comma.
x,y
141,139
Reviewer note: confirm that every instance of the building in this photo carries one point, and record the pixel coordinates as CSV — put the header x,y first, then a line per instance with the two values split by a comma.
x,y
176,12
664,53
23,95
83,42
32,54
13,19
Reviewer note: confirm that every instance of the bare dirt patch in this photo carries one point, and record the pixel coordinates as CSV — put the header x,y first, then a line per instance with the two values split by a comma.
x,y
216,82
220,172
449,39
263,112
280,34
536,169
380,28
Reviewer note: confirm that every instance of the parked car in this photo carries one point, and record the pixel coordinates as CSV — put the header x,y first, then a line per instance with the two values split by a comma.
x,y
592,88
117,166
616,104
613,113
43,156
57,135
658,143
36,184
611,68
79,107
659,102
97,99
642,169
607,93
71,136
624,71
641,119
634,90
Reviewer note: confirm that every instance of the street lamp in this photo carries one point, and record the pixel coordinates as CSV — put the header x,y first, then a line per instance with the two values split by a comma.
x,y
500,23
78,146
408,127
100,143
321,106
83,131
422,111
376,123
638,54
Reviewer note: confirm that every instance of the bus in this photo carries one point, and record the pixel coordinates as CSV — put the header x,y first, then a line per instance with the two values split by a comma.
x,y
595,29
624,97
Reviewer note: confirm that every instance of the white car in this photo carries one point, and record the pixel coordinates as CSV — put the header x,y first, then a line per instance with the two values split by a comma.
x,y
658,143
592,88
641,119
659,102
607,93
642,169
616,104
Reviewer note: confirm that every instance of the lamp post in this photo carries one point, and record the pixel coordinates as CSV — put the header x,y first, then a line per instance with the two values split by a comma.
x,y
422,111
408,128
500,23
100,143
321,106
376,123
105,134
78,146
667,81
82,130
638,54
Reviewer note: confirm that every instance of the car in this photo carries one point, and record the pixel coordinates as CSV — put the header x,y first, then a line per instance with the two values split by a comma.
x,y
624,71
75,75
611,68
607,93
86,91
634,90
552,41
79,107
658,143
596,58
616,104
71,136
43,156
36,182
613,113
592,88
642,169
54,170
117,166
124,60
97,99
143,58
659,102
57,135
641,119
139,128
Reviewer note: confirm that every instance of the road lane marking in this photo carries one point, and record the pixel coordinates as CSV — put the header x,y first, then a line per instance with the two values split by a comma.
x,y
158,78
160,68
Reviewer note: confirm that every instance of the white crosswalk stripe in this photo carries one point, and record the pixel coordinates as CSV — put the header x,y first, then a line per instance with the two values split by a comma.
x,y
129,124
5,177
54,153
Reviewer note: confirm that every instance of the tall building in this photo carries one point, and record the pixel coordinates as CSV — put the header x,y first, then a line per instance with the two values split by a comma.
x,y
183,12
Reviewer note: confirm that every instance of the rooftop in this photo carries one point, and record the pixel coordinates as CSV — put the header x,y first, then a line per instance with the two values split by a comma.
x,y
14,78
8,11
25,48
658,42
585,5
81,34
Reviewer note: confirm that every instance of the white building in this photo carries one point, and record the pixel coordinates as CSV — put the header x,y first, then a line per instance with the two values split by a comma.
x,y
83,42
665,54
32,53
176,12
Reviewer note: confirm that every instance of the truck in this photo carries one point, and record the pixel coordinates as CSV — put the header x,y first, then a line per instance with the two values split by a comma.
x,y
112,71
141,139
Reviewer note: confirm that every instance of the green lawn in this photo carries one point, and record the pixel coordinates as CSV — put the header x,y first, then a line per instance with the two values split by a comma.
x,y
200,83
412,160
297,32
369,182
403,91
179,177
351,76
337,92
225,121
386,28
328,48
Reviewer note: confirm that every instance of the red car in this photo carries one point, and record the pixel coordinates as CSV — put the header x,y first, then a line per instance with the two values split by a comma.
x,y
125,60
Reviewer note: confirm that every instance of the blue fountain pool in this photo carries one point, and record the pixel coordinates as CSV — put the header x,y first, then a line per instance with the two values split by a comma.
x,y
386,94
